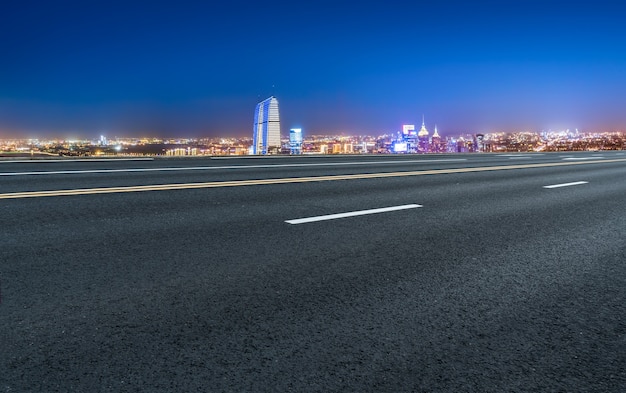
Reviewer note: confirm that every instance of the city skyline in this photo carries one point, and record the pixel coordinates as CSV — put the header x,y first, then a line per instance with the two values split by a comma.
x,y
195,70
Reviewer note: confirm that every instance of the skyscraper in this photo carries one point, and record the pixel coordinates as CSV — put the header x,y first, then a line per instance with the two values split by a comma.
x,y
266,133
422,137
295,140
435,141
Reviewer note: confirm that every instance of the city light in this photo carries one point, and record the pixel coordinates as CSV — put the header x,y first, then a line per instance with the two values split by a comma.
x,y
298,143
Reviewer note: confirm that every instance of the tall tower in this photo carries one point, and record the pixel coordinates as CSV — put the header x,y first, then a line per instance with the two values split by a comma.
x,y
436,141
266,132
422,138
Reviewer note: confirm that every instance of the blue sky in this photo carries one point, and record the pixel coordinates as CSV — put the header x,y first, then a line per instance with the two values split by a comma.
x,y
198,69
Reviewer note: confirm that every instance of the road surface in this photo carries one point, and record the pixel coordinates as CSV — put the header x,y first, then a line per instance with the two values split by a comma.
x,y
437,273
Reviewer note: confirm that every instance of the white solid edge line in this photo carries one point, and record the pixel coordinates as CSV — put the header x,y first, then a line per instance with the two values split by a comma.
x,y
520,155
205,168
577,183
351,214
45,160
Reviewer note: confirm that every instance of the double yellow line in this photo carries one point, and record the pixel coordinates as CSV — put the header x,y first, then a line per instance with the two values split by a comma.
x,y
237,183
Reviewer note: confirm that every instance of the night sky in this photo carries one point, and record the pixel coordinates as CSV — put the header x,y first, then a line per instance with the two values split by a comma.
x,y
195,69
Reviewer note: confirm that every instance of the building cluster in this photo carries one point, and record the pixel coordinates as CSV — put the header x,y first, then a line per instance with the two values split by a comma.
x,y
266,139
547,141
316,144
411,141
126,147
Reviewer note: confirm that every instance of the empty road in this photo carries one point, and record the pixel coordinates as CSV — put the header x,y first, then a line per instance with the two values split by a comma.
x,y
435,273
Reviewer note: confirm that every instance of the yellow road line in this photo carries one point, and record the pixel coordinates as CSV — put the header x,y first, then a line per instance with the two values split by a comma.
x,y
236,183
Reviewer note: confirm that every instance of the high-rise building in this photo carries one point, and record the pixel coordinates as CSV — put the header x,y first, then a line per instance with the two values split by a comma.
x,y
422,137
266,133
409,136
295,140
435,145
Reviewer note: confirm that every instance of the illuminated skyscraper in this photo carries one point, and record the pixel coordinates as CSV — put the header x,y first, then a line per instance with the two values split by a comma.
x,y
266,133
422,138
295,140
435,142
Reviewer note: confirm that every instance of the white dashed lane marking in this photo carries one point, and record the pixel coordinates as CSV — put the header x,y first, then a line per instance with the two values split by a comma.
x,y
577,183
351,214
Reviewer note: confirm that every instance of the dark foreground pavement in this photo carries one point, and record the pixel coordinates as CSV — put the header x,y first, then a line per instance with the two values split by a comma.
x,y
495,284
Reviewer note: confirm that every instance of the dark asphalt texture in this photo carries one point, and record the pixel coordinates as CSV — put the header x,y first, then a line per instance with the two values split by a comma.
x,y
495,285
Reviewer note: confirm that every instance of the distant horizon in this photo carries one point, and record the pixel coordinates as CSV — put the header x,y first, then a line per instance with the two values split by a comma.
x,y
285,135
48,132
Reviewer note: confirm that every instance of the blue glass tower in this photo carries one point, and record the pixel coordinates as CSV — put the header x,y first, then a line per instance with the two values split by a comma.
x,y
266,132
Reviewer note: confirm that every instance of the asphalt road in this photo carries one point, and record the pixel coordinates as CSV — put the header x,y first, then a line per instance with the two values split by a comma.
x,y
484,281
